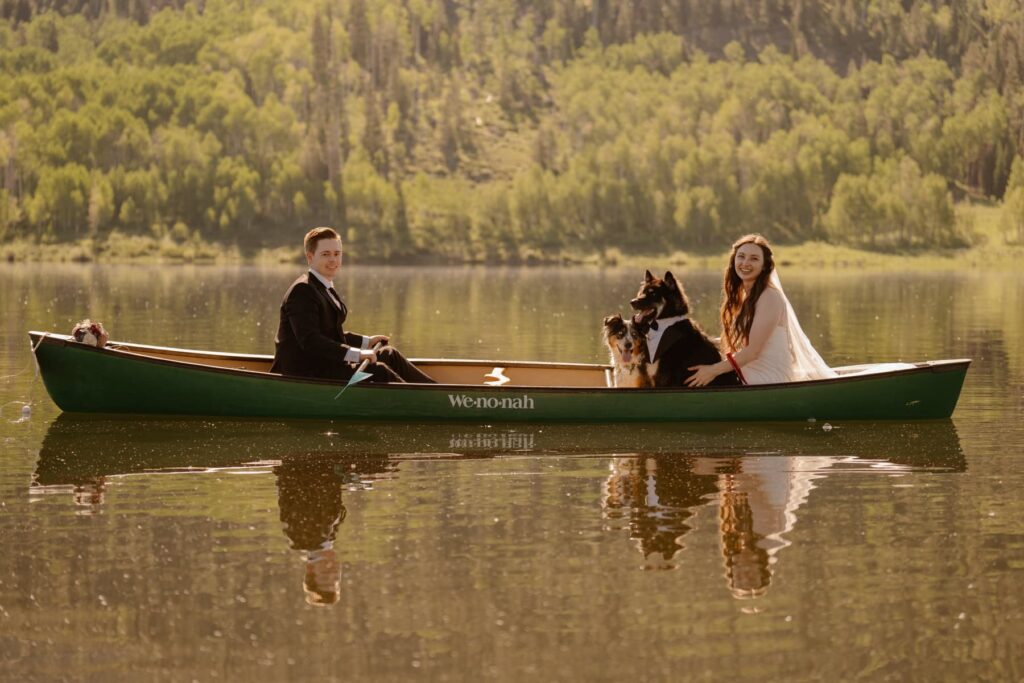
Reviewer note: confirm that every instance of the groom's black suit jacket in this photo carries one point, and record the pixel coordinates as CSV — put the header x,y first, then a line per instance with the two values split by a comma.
x,y
311,341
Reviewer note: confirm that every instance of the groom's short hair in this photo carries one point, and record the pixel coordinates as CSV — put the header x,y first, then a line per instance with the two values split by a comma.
x,y
317,234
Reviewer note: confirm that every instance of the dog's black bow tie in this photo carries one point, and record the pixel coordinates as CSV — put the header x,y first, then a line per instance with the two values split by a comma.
x,y
654,325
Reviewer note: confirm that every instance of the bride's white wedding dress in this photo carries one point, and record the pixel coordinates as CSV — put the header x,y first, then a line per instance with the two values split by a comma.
x,y
773,364
788,355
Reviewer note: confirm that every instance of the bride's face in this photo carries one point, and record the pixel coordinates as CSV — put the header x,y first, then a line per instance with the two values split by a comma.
x,y
749,263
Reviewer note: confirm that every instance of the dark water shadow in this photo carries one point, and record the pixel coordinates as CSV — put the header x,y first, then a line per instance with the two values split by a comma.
x,y
77,448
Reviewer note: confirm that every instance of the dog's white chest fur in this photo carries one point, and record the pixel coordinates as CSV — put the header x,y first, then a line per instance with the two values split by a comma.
x,y
633,376
626,377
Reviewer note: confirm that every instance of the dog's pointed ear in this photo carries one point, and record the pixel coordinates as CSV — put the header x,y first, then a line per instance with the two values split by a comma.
x,y
648,277
612,319
670,280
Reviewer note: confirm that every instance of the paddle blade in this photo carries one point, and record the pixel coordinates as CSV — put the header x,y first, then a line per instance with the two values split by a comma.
x,y
357,377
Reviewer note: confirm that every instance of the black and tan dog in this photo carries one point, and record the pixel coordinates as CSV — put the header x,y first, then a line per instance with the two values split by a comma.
x,y
682,345
628,349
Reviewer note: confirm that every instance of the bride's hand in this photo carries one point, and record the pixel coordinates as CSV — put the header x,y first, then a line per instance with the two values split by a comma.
x,y
703,375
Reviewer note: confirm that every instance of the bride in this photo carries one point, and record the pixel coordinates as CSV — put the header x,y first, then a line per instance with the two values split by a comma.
x,y
760,333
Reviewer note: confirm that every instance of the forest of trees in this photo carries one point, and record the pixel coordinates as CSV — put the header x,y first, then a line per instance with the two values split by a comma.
x,y
498,129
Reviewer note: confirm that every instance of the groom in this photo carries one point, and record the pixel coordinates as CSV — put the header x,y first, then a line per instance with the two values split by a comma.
x,y
311,341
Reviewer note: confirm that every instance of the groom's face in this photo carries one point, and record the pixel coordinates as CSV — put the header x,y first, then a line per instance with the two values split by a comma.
x,y
326,257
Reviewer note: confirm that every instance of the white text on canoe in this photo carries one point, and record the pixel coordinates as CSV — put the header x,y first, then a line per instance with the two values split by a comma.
x,y
523,402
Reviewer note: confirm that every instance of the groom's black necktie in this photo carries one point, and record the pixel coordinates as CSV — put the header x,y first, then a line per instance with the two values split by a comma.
x,y
343,310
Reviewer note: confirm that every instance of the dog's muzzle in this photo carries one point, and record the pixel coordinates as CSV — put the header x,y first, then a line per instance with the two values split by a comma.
x,y
645,316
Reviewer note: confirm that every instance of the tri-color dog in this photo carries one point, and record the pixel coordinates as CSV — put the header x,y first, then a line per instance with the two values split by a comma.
x,y
674,342
628,349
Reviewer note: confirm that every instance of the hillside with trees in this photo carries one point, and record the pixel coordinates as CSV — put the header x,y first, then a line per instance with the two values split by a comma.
x,y
504,129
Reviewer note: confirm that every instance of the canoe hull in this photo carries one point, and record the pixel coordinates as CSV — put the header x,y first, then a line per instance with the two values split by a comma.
x,y
83,379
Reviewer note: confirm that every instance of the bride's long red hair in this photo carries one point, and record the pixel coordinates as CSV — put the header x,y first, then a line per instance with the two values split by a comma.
x,y
738,307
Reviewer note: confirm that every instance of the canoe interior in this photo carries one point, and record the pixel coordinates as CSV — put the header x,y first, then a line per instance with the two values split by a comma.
x,y
445,371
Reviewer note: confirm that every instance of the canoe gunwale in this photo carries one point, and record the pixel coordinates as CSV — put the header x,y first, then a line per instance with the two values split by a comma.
x,y
124,350
176,351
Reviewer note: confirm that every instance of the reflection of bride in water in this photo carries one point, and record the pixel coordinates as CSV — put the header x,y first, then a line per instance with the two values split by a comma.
x,y
757,506
664,497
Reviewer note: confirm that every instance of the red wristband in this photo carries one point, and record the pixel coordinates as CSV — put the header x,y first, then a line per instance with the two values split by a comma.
x,y
736,367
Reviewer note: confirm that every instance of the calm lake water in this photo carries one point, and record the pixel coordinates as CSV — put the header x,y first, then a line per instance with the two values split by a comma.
x,y
163,549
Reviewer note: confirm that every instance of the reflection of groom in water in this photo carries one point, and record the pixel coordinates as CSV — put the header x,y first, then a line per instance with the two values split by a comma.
x,y
309,497
311,340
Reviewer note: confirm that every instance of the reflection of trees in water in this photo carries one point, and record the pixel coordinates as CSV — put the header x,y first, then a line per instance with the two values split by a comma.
x,y
309,489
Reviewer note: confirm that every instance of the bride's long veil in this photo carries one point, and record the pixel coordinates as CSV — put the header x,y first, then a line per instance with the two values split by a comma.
x,y
807,363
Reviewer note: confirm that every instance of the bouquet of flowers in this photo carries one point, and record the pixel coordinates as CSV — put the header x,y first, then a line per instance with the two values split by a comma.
x,y
90,333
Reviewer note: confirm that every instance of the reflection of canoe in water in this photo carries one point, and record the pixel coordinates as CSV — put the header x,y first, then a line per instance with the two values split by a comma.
x,y
79,448
132,378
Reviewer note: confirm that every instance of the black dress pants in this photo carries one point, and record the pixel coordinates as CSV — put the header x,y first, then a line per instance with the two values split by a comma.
x,y
392,366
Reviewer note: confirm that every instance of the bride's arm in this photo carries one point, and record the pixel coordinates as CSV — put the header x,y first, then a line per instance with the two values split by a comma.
x,y
770,308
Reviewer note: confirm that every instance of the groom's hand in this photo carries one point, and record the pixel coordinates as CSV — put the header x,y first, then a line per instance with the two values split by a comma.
x,y
381,339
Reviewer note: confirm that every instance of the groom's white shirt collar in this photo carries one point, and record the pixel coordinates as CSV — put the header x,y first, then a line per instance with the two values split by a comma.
x,y
329,285
654,335
326,283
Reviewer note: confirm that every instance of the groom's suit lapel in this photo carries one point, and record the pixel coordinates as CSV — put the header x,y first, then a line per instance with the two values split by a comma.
x,y
335,305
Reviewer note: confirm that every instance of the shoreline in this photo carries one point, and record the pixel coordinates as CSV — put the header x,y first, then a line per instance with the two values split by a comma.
x,y
149,251
980,221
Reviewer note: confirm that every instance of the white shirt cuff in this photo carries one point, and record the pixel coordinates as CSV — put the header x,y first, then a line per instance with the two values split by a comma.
x,y
366,342
352,355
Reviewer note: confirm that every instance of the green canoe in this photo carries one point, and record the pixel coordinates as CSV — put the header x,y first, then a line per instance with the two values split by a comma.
x,y
135,378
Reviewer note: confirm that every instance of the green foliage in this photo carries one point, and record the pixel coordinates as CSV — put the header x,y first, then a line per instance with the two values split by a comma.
x,y
893,206
498,129
61,201
1012,218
